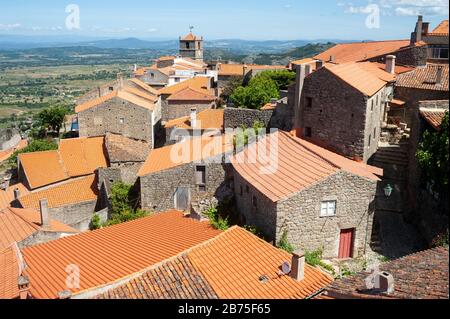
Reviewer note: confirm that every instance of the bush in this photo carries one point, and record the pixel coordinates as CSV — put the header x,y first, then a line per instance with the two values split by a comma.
x,y
259,92
282,78
95,223
314,258
216,220
241,138
284,243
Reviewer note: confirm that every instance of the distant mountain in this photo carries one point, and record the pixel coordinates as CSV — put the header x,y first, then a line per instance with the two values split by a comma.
x,y
13,42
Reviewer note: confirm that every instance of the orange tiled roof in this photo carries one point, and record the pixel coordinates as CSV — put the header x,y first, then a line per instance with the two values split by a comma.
x,y
18,224
6,154
233,262
269,106
75,157
207,119
166,58
192,94
124,149
361,51
43,168
129,94
441,29
434,117
365,77
425,78
10,270
300,165
190,37
198,82
399,69
304,61
187,151
145,86
112,253
7,195
67,193
238,69
227,266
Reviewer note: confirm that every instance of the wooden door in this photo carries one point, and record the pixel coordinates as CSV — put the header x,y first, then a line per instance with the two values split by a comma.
x,y
346,243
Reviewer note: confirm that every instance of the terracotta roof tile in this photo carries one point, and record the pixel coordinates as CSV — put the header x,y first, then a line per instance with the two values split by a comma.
x,y
361,51
192,94
425,78
112,253
441,29
9,273
198,82
187,151
297,165
75,157
434,117
123,149
7,195
365,77
190,37
144,86
423,275
233,262
67,193
239,69
43,168
207,119
129,94
18,224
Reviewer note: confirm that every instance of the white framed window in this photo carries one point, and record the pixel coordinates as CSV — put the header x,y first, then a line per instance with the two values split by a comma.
x,y
328,208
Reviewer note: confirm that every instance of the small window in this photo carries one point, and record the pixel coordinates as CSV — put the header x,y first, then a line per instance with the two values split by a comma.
x,y
247,189
308,132
188,46
328,208
177,80
309,102
200,176
370,138
152,75
111,88
378,99
371,107
374,132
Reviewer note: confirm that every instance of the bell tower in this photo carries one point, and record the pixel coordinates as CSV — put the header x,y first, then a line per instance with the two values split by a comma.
x,y
191,46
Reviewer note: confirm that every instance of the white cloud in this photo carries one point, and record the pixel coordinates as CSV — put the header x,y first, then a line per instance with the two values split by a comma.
x,y
402,7
151,30
8,27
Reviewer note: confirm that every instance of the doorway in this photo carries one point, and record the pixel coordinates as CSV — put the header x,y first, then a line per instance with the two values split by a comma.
x,y
346,241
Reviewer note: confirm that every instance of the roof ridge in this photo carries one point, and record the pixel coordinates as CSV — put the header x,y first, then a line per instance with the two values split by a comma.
x,y
36,227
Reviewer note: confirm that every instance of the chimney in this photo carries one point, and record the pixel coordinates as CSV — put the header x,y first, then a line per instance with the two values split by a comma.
x,y
440,71
300,73
45,218
298,265
120,80
16,194
244,70
24,286
425,28
99,90
193,117
384,282
332,58
135,67
319,64
419,28
390,64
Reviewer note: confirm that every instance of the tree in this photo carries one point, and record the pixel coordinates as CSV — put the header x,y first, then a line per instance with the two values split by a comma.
x,y
283,78
433,157
53,117
259,92
34,146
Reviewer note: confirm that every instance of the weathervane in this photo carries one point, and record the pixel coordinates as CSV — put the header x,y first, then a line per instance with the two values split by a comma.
x,y
191,28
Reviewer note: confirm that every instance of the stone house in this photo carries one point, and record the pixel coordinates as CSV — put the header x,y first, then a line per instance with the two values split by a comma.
x,y
176,175
72,202
318,199
126,111
28,227
342,107
209,121
178,100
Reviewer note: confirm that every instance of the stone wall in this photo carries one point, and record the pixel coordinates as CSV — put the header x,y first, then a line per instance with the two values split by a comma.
x,y
236,117
158,189
283,116
153,77
41,237
299,215
108,117
77,216
337,118
177,109
98,92
413,97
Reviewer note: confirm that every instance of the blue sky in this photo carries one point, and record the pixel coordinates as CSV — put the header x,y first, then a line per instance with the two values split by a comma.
x,y
219,19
